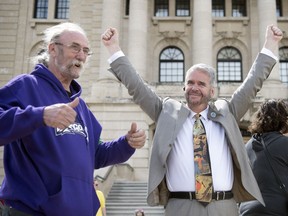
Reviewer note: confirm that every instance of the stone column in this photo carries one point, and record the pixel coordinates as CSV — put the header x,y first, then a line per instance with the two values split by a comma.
x,y
111,17
137,45
267,16
105,87
202,32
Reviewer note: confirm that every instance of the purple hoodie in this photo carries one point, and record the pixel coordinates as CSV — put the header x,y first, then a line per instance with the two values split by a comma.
x,y
49,171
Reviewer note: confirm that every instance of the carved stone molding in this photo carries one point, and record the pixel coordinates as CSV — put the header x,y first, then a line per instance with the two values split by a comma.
x,y
229,38
172,37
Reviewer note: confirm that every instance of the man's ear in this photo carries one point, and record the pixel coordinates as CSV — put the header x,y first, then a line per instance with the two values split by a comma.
x,y
183,88
51,48
212,91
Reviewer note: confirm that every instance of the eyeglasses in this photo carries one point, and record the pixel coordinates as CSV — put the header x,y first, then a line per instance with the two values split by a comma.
x,y
76,48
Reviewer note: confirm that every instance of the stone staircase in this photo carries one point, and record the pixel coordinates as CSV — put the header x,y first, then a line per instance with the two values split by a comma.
x,y
127,196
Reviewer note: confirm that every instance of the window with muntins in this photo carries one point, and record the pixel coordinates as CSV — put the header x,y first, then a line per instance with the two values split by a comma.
x,y
239,8
218,8
62,9
182,8
161,8
171,65
283,62
40,9
229,65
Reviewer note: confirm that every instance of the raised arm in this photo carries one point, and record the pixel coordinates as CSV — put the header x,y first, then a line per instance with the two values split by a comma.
x,y
142,94
272,38
260,70
110,39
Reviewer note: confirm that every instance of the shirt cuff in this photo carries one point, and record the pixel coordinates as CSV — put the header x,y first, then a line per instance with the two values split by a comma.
x,y
115,56
269,53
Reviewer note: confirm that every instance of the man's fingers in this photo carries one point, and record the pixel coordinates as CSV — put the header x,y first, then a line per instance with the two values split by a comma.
x,y
276,31
133,127
108,34
60,115
74,103
137,138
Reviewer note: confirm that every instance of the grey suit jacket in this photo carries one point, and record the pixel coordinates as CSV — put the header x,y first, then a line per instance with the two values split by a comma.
x,y
170,115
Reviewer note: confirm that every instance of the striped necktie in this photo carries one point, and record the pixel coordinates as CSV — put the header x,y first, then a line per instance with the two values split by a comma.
x,y
203,176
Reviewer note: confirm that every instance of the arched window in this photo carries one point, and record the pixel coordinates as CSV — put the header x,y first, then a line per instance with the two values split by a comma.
x,y
283,60
171,65
229,65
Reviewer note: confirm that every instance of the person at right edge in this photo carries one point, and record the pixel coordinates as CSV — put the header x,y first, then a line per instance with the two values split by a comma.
x,y
271,123
171,173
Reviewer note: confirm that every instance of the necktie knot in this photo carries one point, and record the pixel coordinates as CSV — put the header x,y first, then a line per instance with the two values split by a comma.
x,y
197,116
198,126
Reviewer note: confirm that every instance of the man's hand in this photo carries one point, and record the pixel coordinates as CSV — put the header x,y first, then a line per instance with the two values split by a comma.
x,y
60,115
272,38
136,138
110,39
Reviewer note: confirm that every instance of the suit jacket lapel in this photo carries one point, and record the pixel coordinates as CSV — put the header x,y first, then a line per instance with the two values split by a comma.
x,y
182,116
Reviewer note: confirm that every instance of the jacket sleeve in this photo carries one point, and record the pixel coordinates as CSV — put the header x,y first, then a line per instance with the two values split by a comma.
x,y
142,95
245,94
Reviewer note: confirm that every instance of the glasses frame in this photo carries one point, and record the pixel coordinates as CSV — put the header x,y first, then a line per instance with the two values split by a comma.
x,y
76,48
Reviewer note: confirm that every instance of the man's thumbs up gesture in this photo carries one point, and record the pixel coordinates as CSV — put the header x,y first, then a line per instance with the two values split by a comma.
x,y
136,138
60,115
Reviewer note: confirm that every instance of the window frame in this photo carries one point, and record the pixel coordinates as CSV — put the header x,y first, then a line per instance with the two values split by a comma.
x,y
41,9
283,59
241,4
279,8
65,9
161,4
218,12
183,3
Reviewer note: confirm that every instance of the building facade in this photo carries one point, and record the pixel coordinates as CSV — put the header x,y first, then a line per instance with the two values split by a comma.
x,y
162,39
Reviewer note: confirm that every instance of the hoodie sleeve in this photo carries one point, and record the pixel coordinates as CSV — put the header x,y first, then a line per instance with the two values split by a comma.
x,y
17,120
113,152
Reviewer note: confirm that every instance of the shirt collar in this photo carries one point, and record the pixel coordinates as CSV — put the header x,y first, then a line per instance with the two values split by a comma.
x,y
203,114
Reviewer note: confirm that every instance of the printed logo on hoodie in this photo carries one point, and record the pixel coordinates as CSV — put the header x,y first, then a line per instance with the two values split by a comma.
x,y
75,128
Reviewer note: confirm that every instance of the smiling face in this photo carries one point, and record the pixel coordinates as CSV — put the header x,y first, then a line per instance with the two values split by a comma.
x,y
198,90
66,63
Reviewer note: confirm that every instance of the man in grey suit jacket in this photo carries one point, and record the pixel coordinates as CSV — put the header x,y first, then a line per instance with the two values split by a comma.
x,y
171,173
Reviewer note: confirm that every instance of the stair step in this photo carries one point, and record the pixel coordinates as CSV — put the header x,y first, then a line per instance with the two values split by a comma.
x,y
126,196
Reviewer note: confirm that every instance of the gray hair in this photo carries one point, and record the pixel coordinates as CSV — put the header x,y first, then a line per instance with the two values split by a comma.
x,y
210,71
51,34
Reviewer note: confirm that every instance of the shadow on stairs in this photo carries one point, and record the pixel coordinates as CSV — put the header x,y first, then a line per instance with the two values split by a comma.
x,y
127,196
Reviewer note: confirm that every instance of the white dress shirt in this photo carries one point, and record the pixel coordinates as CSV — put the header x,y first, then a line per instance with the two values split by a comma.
x,y
180,164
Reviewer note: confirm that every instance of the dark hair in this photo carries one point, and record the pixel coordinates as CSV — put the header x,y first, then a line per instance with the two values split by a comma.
x,y
272,115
